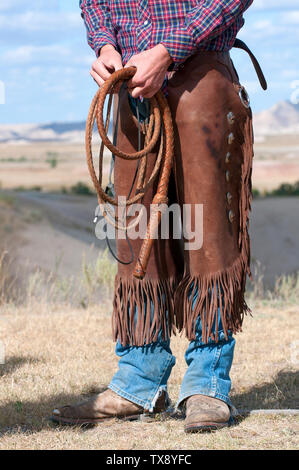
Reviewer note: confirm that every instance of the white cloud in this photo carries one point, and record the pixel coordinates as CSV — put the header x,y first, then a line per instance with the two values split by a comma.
x,y
44,55
283,30
290,74
20,5
290,18
274,5
31,21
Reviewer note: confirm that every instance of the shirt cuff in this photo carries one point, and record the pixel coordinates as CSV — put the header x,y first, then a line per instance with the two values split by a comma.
x,y
101,40
180,45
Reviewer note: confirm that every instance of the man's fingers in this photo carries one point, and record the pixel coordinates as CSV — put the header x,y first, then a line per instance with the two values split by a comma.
x,y
100,81
145,91
104,70
141,89
97,78
137,91
100,68
136,81
117,64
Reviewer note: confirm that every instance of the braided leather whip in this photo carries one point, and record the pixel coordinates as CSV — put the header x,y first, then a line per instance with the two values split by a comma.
x,y
159,126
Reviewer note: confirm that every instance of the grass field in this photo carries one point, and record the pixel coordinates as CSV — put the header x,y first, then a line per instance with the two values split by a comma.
x,y
56,335
53,357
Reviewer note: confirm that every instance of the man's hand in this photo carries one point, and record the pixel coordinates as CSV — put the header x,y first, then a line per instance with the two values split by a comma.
x,y
108,62
152,65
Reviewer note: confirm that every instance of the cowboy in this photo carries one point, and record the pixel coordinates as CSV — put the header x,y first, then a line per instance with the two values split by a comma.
x,y
181,47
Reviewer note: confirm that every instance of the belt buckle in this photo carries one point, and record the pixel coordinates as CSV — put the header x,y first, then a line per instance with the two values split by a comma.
x,y
244,97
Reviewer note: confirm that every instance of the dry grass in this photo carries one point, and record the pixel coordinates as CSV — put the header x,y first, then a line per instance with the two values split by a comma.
x,y
54,357
10,225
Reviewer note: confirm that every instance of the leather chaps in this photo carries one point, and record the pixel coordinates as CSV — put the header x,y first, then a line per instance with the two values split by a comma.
x,y
212,167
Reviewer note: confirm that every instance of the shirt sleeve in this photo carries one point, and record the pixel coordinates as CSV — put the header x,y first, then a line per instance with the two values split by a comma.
x,y
97,19
203,22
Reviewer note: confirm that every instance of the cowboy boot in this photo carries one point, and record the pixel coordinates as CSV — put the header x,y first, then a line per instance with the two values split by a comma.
x,y
104,406
205,413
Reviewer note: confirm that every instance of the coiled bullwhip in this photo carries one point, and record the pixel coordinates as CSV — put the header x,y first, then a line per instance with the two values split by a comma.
x,y
158,128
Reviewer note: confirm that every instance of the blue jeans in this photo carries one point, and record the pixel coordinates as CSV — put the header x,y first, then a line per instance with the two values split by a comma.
x,y
144,370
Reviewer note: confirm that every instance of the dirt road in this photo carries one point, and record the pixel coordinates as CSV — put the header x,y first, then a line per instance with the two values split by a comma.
x,y
66,230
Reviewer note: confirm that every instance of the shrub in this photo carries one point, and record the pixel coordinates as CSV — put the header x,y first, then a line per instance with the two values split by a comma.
x,y
256,193
287,189
52,159
81,188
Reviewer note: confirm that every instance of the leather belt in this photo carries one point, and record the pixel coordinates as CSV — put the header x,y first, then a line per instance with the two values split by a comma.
x,y
241,45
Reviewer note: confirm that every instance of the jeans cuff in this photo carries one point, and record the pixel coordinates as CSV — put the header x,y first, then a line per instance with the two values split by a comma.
x,y
146,404
180,403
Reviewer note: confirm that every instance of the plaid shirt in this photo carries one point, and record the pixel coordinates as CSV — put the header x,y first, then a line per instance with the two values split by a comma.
x,y
182,26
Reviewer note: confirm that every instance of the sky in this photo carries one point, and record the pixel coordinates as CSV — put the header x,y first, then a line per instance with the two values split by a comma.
x,y
45,59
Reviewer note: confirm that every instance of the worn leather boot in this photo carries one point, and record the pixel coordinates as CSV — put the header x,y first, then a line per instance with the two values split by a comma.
x,y
107,405
205,413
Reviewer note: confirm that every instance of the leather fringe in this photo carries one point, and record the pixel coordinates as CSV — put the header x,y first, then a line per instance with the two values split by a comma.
x,y
221,293
136,295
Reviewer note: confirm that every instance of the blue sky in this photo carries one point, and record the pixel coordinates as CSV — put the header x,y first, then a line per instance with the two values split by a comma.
x,y
45,58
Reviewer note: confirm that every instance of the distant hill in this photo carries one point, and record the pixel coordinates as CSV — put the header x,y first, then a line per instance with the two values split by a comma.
x,y
65,132
68,132
283,118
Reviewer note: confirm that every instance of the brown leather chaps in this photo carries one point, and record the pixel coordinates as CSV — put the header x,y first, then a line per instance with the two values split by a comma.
x,y
212,167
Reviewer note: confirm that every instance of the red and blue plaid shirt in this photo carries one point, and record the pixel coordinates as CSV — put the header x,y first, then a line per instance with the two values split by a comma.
x,y
182,26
